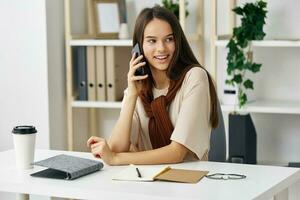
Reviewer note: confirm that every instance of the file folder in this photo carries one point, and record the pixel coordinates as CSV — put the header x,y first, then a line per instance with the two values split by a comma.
x,y
91,73
117,66
80,72
100,74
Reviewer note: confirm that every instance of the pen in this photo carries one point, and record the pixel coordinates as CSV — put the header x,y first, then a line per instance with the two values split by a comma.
x,y
138,172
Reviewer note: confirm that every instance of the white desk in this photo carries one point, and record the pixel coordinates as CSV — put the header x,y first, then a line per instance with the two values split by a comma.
x,y
262,182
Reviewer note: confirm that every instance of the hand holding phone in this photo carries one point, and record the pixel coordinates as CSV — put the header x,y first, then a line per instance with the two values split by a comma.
x,y
143,69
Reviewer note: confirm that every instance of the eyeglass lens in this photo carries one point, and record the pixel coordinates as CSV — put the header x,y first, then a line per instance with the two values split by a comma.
x,y
221,176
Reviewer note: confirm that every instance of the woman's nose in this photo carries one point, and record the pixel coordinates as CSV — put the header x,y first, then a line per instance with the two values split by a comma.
x,y
160,46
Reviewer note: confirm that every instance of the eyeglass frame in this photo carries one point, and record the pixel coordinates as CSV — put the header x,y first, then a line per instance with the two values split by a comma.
x,y
226,176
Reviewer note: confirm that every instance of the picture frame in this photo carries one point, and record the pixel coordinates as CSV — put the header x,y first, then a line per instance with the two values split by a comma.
x,y
107,18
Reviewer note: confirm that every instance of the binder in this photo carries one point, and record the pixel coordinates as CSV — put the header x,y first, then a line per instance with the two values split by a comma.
x,y
100,74
91,73
67,167
117,65
80,72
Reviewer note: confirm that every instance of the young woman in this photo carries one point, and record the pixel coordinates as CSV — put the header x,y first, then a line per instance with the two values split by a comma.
x,y
167,115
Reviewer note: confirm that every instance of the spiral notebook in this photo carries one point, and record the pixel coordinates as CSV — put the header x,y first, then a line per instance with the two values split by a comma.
x,y
67,167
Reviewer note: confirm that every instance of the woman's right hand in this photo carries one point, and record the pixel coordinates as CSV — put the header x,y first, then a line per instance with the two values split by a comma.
x,y
134,83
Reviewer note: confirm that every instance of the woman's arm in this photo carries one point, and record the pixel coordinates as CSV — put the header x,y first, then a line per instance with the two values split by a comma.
x,y
172,153
119,140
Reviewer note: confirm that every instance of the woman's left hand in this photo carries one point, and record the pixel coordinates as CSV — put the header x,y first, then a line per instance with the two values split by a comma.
x,y
100,149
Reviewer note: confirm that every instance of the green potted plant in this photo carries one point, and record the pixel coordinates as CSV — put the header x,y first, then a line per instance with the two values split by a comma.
x,y
173,6
242,134
239,57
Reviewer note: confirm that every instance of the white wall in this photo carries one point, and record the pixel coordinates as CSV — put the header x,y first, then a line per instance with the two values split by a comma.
x,y
32,72
23,70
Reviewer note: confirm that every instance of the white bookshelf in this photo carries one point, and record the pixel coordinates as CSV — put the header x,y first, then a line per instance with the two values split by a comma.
x,y
265,43
267,106
96,104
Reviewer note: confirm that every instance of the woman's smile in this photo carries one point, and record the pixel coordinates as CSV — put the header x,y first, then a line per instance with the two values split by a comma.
x,y
161,58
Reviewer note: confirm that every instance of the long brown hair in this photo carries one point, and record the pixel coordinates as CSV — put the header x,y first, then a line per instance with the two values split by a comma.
x,y
183,57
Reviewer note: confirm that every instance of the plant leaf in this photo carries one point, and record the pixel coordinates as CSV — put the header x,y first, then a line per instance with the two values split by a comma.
x,y
229,82
262,4
238,78
242,100
238,10
248,84
248,65
255,67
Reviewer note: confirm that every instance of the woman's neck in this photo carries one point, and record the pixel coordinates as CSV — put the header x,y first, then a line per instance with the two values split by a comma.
x,y
161,80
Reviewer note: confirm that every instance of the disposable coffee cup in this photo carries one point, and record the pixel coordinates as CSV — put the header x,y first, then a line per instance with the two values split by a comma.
x,y
24,143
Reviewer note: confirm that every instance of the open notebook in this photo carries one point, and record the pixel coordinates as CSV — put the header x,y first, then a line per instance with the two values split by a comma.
x,y
162,173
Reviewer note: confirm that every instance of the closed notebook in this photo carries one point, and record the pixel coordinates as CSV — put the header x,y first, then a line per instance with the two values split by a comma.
x,y
165,173
67,167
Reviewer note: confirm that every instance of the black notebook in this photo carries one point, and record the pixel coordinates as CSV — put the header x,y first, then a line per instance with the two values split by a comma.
x,y
67,167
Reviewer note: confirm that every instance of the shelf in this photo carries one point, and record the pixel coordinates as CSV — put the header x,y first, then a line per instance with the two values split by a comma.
x,y
266,43
267,106
96,104
259,106
98,42
116,42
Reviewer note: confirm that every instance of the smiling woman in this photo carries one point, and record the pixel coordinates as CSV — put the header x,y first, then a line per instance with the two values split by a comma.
x,y
159,47
167,115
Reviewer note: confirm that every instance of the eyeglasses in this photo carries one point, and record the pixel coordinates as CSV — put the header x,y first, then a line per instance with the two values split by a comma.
x,y
220,176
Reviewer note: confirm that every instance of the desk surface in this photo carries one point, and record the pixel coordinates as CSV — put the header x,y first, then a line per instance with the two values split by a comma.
x,y
262,182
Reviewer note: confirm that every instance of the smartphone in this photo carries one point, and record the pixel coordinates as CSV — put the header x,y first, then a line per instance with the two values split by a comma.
x,y
143,70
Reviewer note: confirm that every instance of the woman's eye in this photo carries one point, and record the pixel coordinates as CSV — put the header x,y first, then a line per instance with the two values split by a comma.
x,y
151,41
169,39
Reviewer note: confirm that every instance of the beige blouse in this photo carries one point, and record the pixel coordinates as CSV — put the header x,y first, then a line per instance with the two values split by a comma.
x,y
189,112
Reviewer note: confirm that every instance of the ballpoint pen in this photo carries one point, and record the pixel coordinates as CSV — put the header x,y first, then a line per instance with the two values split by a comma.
x,y
138,172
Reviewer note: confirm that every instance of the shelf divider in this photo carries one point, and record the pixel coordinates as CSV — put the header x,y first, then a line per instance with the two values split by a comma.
x,y
96,104
266,43
267,106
